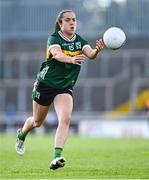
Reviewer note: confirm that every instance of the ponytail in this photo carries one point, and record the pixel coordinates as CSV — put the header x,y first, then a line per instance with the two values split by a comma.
x,y
57,27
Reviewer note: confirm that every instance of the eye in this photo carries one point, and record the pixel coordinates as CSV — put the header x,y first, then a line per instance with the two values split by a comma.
x,y
67,20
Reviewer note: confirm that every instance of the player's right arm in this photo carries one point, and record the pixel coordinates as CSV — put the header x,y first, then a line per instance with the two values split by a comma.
x,y
57,53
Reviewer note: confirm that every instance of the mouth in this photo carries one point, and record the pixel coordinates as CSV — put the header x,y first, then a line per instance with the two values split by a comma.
x,y
72,28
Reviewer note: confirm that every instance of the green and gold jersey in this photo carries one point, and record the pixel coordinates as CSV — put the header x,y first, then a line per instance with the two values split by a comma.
x,y
59,74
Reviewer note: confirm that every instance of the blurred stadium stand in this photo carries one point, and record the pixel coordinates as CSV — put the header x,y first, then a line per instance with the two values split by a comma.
x,y
115,78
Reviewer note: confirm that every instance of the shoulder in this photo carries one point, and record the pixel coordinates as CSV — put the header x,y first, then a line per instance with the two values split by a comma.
x,y
53,35
53,38
80,38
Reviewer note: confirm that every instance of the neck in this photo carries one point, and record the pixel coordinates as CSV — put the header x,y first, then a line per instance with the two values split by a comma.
x,y
69,36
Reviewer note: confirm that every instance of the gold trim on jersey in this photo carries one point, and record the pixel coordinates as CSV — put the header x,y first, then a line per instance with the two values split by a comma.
x,y
69,53
72,53
47,53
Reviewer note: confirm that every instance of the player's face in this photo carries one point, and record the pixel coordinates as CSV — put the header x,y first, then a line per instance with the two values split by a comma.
x,y
69,24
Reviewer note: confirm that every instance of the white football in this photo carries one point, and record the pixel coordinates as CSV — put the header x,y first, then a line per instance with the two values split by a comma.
x,y
114,38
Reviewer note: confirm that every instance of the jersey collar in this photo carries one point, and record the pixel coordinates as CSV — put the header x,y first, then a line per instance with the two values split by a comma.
x,y
65,38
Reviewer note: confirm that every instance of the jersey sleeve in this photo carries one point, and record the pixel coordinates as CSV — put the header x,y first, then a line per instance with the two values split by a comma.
x,y
84,43
53,41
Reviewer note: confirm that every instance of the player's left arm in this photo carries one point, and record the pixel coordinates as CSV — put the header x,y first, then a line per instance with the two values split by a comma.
x,y
92,53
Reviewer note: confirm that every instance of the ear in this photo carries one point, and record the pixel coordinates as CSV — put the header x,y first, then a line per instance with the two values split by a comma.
x,y
60,24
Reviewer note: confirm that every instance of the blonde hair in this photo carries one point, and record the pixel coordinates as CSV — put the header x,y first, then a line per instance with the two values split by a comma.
x,y
59,19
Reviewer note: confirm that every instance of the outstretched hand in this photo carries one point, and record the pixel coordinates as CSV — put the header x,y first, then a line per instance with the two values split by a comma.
x,y
99,45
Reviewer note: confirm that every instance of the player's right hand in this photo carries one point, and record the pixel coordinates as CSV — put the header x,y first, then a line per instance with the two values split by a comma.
x,y
78,59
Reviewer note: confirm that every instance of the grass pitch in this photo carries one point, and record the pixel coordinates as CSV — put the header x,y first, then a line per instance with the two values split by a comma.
x,y
87,158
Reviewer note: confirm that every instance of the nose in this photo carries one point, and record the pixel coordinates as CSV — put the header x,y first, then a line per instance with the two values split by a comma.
x,y
72,21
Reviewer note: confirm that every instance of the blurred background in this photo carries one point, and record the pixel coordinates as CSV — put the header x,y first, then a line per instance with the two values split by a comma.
x,y
111,97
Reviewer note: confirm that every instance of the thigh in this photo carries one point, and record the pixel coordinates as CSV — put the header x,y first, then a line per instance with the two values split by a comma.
x,y
63,104
39,112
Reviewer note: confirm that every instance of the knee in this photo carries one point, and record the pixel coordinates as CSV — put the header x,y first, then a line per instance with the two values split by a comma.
x,y
65,121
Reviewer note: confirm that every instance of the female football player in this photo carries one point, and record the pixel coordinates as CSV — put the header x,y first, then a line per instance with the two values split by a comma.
x,y
66,52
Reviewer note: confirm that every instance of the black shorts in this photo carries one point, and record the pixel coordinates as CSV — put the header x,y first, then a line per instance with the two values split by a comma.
x,y
44,95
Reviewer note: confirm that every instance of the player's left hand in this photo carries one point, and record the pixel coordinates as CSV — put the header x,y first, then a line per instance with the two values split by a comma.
x,y
99,45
